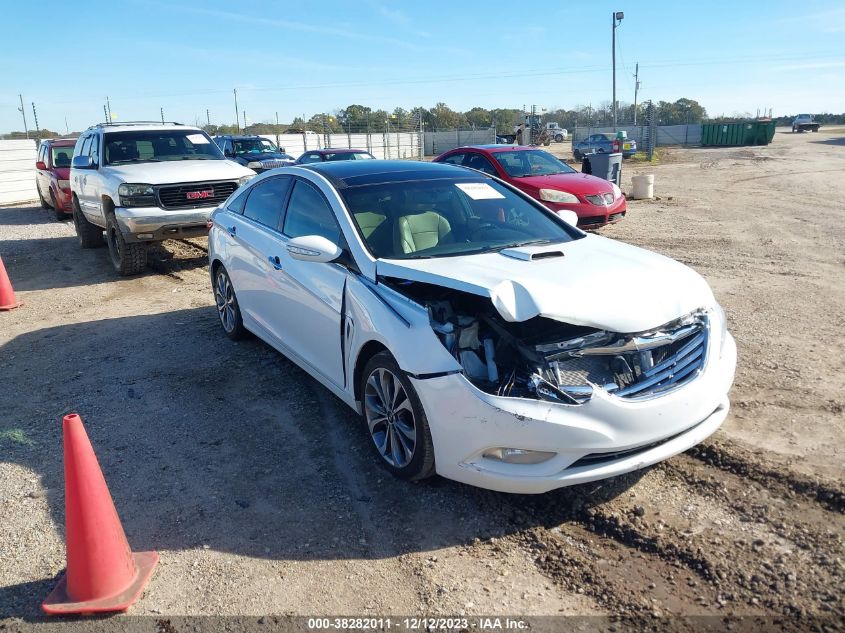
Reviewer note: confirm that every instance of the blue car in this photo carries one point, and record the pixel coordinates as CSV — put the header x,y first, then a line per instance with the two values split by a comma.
x,y
603,144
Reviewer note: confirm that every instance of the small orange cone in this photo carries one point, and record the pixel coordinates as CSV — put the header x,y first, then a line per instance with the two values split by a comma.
x,y
7,295
102,572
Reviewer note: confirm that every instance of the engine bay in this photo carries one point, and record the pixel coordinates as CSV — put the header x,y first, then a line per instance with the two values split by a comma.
x,y
544,359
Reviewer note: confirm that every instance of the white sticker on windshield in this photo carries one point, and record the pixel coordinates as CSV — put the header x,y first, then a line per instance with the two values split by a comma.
x,y
197,139
479,190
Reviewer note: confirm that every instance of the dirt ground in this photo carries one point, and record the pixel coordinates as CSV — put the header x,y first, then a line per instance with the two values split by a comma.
x,y
261,494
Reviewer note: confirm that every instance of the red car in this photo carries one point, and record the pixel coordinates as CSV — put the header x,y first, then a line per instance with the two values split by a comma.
x,y
52,173
545,178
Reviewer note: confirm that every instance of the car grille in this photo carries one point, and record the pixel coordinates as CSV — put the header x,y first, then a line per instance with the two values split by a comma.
x,y
187,196
272,164
635,367
601,199
615,216
674,365
593,219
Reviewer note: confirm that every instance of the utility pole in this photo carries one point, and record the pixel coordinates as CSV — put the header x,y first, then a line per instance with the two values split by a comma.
x,y
208,116
244,121
162,115
636,89
237,121
35,116
106,113
108,107
67,129
616,20
23,114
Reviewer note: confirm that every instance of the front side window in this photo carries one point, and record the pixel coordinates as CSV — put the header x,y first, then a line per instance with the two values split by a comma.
x,y
531,163
264,204
154,146
311,158
85,148
449,216
94,152
309,214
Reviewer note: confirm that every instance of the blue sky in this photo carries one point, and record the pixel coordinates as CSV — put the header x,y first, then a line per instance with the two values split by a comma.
x,y
305,57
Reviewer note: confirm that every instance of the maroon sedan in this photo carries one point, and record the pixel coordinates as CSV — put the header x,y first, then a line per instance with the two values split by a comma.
x,y
52,173
545,178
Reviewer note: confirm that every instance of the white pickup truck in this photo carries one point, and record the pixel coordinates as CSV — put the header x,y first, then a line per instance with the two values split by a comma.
x,y
146,182
556,133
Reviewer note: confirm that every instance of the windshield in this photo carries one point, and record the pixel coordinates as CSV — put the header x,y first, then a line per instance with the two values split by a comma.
x,y
254,146
350,156
62,156
533,162
448,217
153,146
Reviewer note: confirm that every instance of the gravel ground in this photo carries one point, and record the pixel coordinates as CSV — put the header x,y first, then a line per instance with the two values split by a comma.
x,y
259,490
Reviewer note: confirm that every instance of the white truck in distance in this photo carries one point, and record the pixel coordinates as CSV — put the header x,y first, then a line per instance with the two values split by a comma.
x,y
556,133
146,182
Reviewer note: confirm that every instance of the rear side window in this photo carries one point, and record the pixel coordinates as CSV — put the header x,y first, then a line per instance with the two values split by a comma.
x,y
265,200
479,162
311,158
309,214
454,159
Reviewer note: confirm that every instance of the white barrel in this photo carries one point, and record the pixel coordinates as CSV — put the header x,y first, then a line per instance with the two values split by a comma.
x,y
643,186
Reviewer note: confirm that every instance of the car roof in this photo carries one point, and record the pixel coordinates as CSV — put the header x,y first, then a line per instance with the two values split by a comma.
x,y
350,173
340,150
499,147
240,136
147,128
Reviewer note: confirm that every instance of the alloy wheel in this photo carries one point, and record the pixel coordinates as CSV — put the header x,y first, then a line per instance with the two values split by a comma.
x,y
390,418
224,297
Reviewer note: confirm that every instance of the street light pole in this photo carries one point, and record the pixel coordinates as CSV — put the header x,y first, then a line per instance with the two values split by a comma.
x,y
23,114
636,90
617,19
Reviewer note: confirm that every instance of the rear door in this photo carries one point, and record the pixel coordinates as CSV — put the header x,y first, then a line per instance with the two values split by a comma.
x,y
253,243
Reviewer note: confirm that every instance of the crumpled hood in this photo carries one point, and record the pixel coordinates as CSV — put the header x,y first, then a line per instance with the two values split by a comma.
x,y
582,184
597,283
167,172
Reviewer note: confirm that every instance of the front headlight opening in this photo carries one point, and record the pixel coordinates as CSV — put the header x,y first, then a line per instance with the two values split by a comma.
x,y
136,195
561,197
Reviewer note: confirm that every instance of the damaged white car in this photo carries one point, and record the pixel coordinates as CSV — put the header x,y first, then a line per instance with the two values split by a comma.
x,y
480,335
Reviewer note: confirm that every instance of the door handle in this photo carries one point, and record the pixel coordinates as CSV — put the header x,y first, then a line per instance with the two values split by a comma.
x,y
232,230
275,261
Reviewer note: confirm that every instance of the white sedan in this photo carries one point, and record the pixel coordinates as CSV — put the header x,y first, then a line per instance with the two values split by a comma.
x,y
481,336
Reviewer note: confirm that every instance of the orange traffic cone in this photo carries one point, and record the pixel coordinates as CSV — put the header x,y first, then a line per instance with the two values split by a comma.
x,y
102,572
7,295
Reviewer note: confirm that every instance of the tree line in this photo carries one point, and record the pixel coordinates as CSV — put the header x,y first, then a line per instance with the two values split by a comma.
x,y
357,119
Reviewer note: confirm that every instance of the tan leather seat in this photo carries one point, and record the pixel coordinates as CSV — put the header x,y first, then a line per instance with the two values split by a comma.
x,y
419,231
368,222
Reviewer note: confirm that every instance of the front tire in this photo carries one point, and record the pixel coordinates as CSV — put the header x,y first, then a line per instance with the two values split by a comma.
x,y
44,203
396,420
59,214
227,305
559,138
90,235
127,258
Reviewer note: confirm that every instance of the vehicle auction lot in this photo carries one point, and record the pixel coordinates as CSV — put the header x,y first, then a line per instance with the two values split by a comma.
x,y
261,493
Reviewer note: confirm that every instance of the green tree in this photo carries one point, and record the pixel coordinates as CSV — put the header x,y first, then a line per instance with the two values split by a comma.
x,y
478,117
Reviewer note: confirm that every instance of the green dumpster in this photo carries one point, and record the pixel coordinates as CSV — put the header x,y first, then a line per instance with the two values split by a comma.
x,y
737,133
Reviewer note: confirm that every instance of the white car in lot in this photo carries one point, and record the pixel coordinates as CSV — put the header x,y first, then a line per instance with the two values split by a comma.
x,y
480,335
146,182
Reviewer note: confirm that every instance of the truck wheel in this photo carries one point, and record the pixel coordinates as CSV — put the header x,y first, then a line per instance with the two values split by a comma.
x,y
90,235
558,138
128,259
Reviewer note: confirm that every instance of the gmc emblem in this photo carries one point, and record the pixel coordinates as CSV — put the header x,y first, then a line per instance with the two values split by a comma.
x,y
196,195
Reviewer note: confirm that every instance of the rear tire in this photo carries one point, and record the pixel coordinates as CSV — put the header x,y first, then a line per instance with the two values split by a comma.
x,y
90,235
127,258
44,203
559,139
60,215
227,305
396,420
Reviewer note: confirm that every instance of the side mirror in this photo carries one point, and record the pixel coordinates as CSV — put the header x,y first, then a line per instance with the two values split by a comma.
x,y
313,248
40,165
570,217
82,162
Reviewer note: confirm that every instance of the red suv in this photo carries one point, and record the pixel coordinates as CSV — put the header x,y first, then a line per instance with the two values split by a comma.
x,y
545,178
53,172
